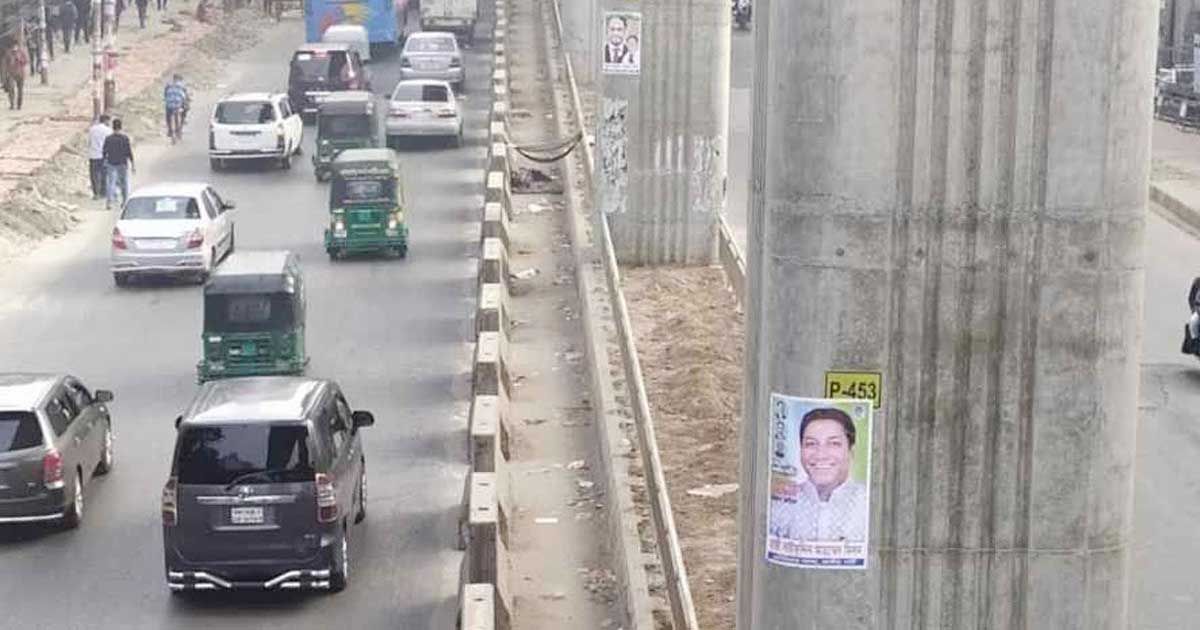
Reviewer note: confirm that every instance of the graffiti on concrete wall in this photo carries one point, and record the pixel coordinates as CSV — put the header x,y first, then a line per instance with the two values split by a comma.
x,y
613,142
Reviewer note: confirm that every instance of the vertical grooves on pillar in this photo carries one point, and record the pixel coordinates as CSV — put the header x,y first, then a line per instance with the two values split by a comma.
x,y
901,228
1040,142
648,127
965,576
683,178
1003,210
933,219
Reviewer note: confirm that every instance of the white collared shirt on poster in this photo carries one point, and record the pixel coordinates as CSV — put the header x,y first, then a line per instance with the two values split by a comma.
x,y
844,517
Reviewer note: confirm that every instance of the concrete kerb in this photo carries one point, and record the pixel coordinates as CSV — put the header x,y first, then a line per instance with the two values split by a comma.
x,y
489,440
486,542
492,315
491,376
499,190
479,607
498,157
1173,206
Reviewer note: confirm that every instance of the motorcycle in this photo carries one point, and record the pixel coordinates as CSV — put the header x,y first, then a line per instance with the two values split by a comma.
x,y
741,14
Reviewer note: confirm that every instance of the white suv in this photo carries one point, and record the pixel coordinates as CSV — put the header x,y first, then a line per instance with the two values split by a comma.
x,y
254,126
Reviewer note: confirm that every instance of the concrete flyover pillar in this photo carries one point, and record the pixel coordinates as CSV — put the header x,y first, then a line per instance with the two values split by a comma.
x,y
662,124
952,194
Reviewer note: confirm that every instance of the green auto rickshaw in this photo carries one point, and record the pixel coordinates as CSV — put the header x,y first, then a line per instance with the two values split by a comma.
x,y
345,120
366,204
254,317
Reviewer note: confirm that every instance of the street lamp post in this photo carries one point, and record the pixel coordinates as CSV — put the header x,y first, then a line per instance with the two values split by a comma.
x,y
110,75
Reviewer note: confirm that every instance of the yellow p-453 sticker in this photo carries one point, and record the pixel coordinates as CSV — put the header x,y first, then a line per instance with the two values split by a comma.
x,y
857,385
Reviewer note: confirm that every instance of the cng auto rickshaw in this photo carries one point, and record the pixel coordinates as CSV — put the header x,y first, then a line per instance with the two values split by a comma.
x,y
366,204
254,310
345,120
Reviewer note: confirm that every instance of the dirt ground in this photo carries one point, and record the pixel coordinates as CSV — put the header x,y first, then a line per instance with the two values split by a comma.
x,y
690,341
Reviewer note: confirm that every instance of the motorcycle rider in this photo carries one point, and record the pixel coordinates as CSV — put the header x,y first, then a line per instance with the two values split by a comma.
x,y
741,12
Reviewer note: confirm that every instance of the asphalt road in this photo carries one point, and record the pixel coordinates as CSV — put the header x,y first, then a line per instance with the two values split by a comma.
x,y
1167,503
393,333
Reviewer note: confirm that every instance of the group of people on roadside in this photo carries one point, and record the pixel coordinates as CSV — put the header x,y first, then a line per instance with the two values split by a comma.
x,y
110,151
110,161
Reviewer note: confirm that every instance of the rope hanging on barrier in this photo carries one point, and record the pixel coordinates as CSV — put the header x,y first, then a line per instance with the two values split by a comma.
x,y
562,149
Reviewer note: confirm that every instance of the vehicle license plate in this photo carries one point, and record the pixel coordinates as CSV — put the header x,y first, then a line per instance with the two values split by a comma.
x,y
428,65
246,515
157,243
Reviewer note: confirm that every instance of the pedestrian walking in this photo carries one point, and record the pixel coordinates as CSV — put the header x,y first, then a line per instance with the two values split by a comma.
x,y
51,26
175,98
31,46
67,16
97,134
15,60
161,5
118,163
83,23
120,8
142,5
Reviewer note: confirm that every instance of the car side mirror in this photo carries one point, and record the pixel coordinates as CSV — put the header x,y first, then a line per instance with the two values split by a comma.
x,y
229,205
362,418
178,421
104,396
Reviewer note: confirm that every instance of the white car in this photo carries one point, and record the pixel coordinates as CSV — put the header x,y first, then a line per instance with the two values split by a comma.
x,y
423,108
254,126
171,230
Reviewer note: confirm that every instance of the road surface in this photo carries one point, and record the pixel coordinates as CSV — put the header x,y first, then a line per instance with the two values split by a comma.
x,y
393,333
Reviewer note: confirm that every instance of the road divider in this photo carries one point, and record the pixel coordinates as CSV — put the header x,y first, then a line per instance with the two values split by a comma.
x,y
495,223
484,595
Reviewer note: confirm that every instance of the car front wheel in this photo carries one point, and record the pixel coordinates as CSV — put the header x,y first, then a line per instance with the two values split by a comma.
x,y
339,574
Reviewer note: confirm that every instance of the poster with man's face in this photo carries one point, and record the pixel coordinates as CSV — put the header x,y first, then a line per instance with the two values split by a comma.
x,y
622,52
820,496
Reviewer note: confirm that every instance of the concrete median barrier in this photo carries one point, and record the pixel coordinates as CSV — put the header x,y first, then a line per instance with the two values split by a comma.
x,y
485,562
493,265
498,157
491,375
499,190
492,314
489,436
495,223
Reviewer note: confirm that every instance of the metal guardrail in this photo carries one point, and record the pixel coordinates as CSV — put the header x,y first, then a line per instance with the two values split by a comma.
x,y
679,594
732,261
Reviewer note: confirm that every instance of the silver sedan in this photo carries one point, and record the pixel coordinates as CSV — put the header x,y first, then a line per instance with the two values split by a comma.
x,y
424,108
171,229
432,56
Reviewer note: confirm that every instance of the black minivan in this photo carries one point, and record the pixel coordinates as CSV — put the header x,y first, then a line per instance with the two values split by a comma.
x,y
316,70
267,478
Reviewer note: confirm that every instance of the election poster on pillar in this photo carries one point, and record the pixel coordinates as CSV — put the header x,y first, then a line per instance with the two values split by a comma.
x,y
820,496
622,52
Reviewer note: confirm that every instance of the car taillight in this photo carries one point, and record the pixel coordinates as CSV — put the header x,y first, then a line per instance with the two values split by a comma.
x,y
405,62
447,112
212,139
194,239
396,109
455,62
279,139
327,509
118,239
52,470
170,506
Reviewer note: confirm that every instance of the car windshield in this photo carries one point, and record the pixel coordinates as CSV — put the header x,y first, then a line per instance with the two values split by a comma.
x,y
19,430
165,207
361,191
311,66
422,92
430,44
248,312
217,455
350,126
245,113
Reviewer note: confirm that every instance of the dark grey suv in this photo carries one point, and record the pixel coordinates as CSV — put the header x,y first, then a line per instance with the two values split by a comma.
x,y
55,436
267,478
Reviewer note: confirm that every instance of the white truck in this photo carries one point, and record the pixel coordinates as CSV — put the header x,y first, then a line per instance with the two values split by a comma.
x,y
456,16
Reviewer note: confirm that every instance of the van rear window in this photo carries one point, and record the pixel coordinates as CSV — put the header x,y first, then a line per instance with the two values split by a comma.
x,y
243,453
311,66
19,430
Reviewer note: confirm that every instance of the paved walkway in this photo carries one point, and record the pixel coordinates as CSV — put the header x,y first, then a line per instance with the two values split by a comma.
x,y
55,112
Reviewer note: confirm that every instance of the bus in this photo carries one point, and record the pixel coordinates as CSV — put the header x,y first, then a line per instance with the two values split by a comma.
x,y
386,20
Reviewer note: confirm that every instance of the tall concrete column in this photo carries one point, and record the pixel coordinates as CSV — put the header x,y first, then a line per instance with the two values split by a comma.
x,y
581,38
953,193
662,133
